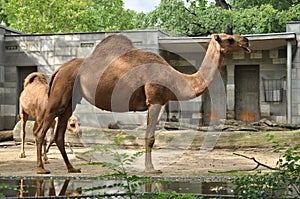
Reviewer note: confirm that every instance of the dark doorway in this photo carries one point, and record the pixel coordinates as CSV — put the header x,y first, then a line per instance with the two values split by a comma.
x,y
247,93
22,74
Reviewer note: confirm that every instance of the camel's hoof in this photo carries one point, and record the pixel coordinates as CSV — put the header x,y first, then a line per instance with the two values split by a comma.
x,y
46,162
153,171
22,155
42,171
73,170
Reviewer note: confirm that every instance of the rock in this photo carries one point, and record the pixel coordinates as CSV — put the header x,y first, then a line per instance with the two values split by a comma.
x,y
6,136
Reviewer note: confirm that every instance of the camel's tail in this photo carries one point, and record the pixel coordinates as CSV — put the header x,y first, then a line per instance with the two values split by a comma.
x,y
35,75
52,79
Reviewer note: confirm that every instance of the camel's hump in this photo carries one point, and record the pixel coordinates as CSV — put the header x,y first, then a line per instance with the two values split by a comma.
x,y
116,39
108,50
35,75
114,44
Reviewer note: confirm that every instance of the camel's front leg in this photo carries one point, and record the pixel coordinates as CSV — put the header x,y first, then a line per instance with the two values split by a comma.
x,y
23,118
153,112
60,138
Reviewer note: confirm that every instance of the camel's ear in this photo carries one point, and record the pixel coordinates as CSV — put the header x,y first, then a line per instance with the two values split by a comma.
x,y
216,37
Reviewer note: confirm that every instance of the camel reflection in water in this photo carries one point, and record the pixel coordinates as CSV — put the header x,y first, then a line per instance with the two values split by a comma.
x,y
40,189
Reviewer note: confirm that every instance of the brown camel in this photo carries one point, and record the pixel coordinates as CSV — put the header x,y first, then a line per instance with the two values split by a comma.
x,y
33,101
118,77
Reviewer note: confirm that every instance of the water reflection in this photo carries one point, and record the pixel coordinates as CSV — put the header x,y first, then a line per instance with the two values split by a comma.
x,y
207,188
26,187
38,187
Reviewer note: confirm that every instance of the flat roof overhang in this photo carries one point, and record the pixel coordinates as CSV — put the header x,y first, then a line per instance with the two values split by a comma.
x,y
198,44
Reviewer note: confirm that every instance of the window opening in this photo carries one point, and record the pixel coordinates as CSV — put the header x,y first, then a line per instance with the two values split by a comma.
x,y
273,89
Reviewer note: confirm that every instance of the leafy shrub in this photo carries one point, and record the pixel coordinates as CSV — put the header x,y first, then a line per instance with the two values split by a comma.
x,y
281,183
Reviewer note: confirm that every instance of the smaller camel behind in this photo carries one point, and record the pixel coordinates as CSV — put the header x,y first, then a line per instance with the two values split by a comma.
x,y
33,101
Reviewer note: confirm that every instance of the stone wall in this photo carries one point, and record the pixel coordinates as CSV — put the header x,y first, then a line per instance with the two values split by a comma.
x,y
295,27
2,107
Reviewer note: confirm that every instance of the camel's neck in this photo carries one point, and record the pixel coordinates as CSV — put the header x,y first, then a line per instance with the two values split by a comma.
x,y
209,68
200,80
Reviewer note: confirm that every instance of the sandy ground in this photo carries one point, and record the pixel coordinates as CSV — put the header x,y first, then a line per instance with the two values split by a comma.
x,y
173,162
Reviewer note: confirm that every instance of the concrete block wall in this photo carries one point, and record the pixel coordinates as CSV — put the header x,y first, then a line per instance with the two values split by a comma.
x,y
295,27
7,110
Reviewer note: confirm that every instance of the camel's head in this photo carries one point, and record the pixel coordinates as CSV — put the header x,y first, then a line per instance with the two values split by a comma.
x,y
232,43
74,126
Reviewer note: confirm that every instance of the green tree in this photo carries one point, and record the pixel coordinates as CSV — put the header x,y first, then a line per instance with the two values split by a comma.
x,y
3,18
197,17
171,16
176,17
32,16
277,4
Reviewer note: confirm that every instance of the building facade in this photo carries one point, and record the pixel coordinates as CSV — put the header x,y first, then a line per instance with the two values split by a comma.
x,y
262,84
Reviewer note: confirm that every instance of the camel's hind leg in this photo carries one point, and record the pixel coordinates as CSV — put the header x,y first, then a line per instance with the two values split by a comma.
x,y
39,133
53,129
60,138
23,119
45,157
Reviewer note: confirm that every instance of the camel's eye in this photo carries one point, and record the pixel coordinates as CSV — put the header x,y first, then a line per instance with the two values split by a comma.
x,y
231,40
73,125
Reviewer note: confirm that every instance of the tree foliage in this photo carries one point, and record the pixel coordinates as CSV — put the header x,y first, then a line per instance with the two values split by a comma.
x,y
32,16
196,17
277,4
176,17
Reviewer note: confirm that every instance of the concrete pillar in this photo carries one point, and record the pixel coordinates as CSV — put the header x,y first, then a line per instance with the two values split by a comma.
x,y
289,81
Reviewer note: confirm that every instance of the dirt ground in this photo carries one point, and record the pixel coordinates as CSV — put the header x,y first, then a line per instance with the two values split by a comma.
x,y
173,162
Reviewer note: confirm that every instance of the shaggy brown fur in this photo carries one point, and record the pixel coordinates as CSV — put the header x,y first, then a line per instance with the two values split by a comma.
x,y
118,77
33,101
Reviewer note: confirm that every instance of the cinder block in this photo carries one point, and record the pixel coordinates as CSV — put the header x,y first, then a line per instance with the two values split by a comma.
x,y
8,110
293,27
296,96
279,61
296,84
256,55
295,119
47,45
238,56
273,53
296,57
9,122
63,51
265,109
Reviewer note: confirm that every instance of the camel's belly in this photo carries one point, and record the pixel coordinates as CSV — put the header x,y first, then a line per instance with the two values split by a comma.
x,y
119,100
